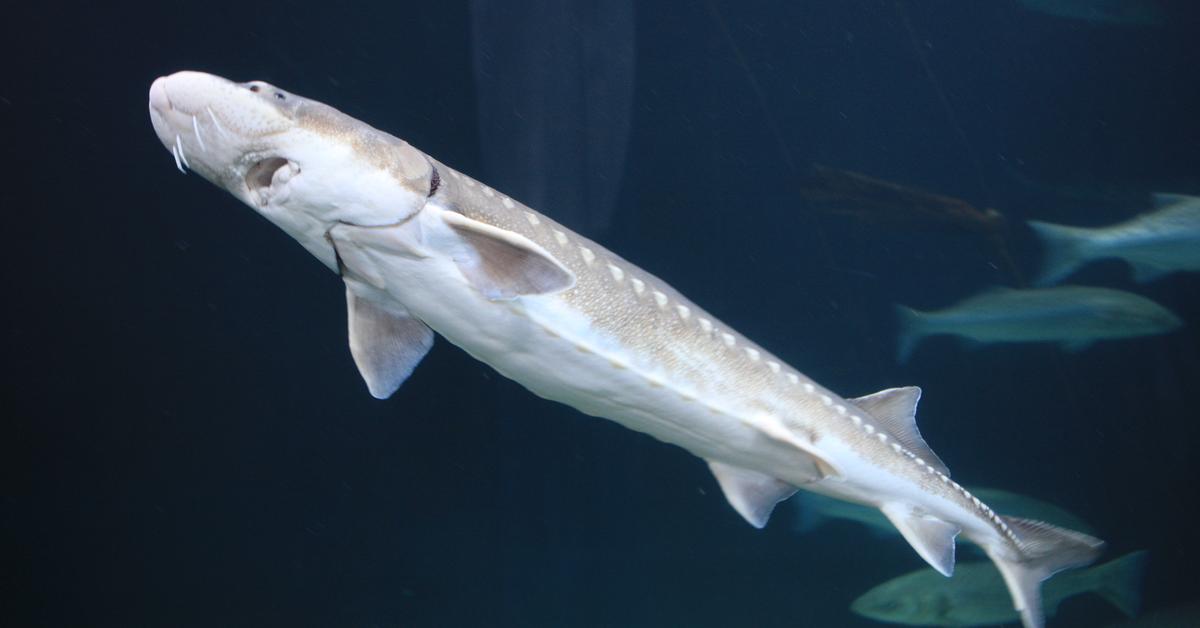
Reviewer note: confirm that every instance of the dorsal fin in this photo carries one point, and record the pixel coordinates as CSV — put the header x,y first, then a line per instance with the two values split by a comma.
x,y
752,494
896,411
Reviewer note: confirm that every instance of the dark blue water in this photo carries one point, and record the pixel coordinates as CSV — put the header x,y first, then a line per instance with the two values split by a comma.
x,y
193,445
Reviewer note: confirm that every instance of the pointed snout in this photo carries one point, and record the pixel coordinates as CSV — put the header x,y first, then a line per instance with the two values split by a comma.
x,y
186,92
193,114
187,98
161,118
158,95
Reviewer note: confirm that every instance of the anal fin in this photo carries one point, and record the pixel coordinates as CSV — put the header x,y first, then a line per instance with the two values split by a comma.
x,y
387,344
752,494
932,538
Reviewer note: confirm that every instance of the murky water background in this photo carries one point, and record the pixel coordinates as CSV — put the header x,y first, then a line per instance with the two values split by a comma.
x,y
194,447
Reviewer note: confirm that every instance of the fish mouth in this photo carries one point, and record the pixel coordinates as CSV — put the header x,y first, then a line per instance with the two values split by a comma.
x,y
267,178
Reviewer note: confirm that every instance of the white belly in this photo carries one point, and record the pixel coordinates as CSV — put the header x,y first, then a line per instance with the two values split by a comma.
x,y
558,353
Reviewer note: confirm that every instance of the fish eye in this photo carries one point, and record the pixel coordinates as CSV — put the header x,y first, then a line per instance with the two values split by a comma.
x,y
279,96
254,88
435,180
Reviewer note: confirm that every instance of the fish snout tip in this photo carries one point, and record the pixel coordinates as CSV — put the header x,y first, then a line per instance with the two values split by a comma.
x,y
158,95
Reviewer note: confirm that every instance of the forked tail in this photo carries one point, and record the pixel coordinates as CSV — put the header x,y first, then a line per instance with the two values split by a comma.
x,y
911,328
1042,551
1064,249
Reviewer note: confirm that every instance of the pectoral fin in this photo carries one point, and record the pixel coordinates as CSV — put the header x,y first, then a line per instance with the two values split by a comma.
x,y
752,494
386,344
504,264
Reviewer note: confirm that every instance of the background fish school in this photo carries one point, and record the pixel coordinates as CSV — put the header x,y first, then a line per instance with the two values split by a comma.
x,y
188,441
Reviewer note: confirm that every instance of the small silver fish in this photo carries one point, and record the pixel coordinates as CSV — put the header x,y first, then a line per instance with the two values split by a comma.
x,y
1154,244
975,596
1072,316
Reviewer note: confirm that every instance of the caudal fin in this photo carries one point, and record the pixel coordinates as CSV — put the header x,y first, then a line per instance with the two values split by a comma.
x,y
1064,249
1042,551
1121,582
912,328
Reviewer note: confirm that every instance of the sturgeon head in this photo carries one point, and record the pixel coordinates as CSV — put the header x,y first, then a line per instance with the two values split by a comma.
x,y
303,165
